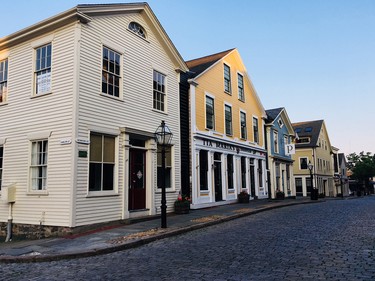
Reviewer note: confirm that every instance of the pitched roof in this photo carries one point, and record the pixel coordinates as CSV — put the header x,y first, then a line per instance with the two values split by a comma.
x,y
273,113
309,129
199,65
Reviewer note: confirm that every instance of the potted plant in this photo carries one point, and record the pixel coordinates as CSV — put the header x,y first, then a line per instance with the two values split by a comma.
x,y
280,194
182,204
243,197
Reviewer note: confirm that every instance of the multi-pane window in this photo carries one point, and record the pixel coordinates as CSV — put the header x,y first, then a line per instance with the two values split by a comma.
x,y
137,29
43,69
168,168
102,162
1,165
241,93
3,80
260,172
228,120
111,73
159,91
243,125
276,141
210,113
227,83
255,130
303,163
277,173
38,167
203,169
299,191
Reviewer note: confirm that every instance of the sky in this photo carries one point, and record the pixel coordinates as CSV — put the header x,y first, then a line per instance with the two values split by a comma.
x,y
316,58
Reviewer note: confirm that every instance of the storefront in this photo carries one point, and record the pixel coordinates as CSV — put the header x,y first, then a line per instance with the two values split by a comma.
x,y
224,168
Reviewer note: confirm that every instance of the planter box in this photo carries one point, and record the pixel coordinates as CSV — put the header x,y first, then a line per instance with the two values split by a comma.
x,y
244,199
182,208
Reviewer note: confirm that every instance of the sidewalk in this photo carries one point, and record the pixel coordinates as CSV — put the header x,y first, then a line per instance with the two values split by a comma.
x,y
132,235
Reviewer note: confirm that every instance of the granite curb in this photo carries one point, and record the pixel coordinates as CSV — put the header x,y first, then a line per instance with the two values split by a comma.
x,y
129,244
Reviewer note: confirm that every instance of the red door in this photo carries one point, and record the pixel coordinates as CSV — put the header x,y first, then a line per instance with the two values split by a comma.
x,y
137,180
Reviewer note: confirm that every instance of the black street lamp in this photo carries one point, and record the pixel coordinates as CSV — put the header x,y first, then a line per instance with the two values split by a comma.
x,y
163,137
312,192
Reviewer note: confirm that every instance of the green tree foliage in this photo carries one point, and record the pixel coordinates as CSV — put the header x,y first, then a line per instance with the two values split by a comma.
x,y
362,166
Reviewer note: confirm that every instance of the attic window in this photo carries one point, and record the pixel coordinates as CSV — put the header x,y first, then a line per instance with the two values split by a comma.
x,y
308,129
298,130
303,140
137,29
281,123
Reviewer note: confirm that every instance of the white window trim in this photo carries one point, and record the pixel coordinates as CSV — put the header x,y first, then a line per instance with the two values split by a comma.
x,y
37,44
299,163
225,128
5,56
165,92
243,86
276,141
230,76
239,115
31,191
103,193
205,111
115,48
252,128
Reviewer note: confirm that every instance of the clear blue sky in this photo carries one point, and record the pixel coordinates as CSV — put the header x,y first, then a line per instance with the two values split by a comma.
x,y
316,58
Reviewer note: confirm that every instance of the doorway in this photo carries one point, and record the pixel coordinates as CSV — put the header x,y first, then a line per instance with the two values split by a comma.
x,y
218,177
137,179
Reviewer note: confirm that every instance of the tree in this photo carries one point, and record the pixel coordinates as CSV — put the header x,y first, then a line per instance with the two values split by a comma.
x,y
362,166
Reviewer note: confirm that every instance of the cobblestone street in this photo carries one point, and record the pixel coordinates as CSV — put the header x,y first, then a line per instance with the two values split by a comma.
x,y
333,240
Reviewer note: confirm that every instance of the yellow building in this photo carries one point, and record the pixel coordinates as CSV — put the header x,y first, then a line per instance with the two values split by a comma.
x,y
313,159
224,139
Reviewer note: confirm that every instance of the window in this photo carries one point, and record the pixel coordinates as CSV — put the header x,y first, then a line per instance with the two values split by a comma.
x,y
102,162
203,169
227,83
260,172
303,140
3,80
111,73
299,191
168,167
255,130
286,140
280,122
243,172
43,69
210,113
159,91
277,173
308,185
228,120
276,141
241,93
230,171
38,167
303,163
1,165
137,29
308,129
243,125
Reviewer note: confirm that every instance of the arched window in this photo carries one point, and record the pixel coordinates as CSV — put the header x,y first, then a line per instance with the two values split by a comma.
x,y
137,28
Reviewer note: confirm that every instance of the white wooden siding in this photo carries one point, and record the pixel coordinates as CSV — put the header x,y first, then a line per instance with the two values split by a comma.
x,y
24,115
139,58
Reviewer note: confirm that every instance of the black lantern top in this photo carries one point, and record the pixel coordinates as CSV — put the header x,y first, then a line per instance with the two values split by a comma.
x,y
163,134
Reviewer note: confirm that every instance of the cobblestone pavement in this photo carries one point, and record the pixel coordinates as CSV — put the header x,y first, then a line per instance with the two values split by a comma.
x,y
334,240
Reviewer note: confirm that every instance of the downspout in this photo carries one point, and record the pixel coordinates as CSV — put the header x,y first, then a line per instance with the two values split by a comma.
x,y
10,224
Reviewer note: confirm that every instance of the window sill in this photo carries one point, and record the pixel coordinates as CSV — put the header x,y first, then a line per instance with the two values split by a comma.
x,y
159,111
107,193
40,95
228,93
241,100
3,103
111,97
37,193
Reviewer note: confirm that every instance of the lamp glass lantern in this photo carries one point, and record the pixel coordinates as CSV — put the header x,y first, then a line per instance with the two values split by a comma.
x,y
163,137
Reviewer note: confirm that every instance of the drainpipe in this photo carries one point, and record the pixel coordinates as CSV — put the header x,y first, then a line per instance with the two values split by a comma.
x,y
9,226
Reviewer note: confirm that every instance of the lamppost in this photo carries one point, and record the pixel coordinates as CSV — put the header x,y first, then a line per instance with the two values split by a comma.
x,y
163,137
312,192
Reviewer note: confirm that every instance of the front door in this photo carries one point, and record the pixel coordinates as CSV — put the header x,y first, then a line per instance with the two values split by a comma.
x,y
137,179
217,175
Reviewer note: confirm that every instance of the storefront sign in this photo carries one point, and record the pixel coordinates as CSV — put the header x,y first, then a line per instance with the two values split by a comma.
x,y
290,149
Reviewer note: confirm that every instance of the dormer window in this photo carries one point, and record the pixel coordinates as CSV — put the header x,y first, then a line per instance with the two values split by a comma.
x,y
137,29
280,122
